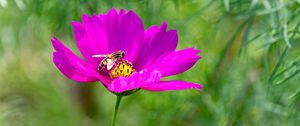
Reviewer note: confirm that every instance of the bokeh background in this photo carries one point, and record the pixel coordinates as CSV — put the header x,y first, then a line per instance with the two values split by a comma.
x,y
249,68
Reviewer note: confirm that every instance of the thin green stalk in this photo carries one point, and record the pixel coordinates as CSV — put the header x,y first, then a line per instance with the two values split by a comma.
x,y
246,35
266,66
274,72
230,43
287,69
119,98
278,65
286,79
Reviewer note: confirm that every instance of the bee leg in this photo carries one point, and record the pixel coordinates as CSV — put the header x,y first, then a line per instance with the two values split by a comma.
x,y
120,60
100,67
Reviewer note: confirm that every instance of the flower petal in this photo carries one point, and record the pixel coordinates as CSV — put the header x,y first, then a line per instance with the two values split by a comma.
x,y
171,86
107,33
157,43
135,81
176,62
72,72
71,65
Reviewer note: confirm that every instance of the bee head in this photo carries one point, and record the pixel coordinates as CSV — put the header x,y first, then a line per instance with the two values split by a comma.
x,y
123,53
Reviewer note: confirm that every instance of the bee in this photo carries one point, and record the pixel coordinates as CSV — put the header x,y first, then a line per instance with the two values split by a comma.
x,y
109,59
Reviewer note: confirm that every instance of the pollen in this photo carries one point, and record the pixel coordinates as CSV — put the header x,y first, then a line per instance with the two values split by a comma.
x,y
122,69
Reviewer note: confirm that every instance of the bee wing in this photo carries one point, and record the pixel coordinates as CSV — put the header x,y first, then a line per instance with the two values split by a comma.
x,y
99,55
110,63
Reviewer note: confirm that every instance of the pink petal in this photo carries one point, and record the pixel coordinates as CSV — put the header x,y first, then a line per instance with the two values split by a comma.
x,y
71,65
135,81
171,86
158,43
107,33
176,62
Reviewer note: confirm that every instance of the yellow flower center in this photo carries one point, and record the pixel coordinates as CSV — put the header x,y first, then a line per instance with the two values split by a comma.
x,y
122,69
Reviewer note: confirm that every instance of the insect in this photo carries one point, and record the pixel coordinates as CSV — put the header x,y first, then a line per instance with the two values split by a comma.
x,y
109,59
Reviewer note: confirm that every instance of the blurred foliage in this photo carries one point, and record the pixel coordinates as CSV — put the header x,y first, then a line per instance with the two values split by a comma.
x,y
249,68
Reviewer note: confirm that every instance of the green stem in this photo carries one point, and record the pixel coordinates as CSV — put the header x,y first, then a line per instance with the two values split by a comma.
x,y
119,98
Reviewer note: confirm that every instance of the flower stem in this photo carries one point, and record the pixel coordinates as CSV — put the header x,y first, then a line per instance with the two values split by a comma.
x,y
119,98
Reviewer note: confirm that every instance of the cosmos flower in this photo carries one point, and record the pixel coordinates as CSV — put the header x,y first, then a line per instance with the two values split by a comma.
x,y
149,54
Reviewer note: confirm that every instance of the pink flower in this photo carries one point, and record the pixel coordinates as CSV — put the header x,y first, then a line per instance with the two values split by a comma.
x,y
151,52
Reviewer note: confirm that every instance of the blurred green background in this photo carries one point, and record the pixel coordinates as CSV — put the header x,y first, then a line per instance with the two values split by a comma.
x,y
249,67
